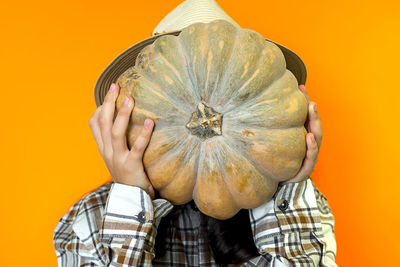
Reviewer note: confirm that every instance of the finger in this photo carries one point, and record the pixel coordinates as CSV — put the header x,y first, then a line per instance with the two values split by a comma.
x,y
314,123
309,160
142,141
106,118
120,125
95,128
311,156
303,90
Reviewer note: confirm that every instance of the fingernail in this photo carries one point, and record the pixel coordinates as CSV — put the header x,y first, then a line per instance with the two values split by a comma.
x,y
147,124
315,107
127,101
113,87
312,139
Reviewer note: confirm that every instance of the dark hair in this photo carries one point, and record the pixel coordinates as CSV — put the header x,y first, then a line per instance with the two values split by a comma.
x,y
230,241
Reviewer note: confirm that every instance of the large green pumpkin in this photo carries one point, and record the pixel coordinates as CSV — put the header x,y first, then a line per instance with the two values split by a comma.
x,y
229,117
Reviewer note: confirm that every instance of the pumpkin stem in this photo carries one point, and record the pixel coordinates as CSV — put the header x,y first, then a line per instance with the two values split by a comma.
x,y
205,122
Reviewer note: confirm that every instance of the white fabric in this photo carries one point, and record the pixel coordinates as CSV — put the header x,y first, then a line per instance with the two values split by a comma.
x,y
277,263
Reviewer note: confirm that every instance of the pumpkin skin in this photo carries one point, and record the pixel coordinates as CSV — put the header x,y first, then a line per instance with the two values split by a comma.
x,y
229,117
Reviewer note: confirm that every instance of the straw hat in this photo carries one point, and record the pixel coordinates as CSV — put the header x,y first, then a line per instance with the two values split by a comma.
x,y
185,14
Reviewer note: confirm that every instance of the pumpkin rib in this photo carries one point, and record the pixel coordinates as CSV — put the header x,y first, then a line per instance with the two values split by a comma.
x,y
243,153
252,197
209,193
165,112
284,154
174,99
199,160
205,41
216,83
234,43
160,93
224,70
255,69
205,30
189,69
294,109
163,170
180,51
237,92
162,141
179,189
260,92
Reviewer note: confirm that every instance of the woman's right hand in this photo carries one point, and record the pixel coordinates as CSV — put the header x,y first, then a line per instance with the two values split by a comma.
x,y
124,165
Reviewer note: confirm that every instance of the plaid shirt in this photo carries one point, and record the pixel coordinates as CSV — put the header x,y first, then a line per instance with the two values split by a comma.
x,y
116,225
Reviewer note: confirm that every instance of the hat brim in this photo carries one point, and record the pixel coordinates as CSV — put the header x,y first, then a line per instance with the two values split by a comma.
x,y
127,59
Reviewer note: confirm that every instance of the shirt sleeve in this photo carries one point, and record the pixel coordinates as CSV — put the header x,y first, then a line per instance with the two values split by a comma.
x,y
118,232
296,227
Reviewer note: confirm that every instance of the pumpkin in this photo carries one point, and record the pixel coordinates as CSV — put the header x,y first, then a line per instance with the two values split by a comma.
x,y
229,117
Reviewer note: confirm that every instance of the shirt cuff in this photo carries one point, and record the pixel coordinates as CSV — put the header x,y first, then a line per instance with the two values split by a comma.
x,y
129,207
296,207
129,202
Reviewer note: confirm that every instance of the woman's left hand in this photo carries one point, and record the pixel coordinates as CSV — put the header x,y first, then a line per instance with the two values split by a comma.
x,y
313,139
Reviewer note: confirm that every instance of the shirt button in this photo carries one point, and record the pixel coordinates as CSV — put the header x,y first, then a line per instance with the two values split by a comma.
x,y
141,217
284,205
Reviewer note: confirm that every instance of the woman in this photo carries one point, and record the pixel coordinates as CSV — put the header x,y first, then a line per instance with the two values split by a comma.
x,y
125,223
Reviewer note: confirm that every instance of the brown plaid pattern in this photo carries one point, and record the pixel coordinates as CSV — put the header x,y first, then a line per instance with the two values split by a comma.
x,y
116,225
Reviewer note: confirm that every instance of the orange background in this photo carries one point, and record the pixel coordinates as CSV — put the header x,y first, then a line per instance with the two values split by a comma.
x,y
52,53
